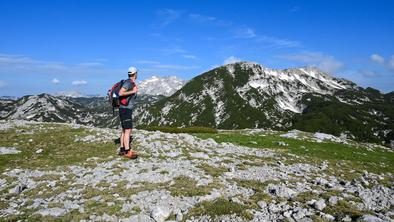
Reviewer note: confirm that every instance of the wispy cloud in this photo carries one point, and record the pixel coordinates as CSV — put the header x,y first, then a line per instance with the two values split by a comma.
x,y
207,19
380,60
368,73
24,64
189,56
2,84
295,9
173,50
270,41
377,58
231,59
55,81
244,32
146,62
391,63
168,16
167,68
79,82
278,42
90,64
174,67
325,62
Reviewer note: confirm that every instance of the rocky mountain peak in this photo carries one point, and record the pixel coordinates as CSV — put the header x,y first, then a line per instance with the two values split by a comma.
x,y
156,85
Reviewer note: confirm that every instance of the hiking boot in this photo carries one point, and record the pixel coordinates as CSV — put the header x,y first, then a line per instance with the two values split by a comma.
x,y
131,154
122,151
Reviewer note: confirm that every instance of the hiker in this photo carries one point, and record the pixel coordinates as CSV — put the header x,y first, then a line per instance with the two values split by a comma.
x,y
128,91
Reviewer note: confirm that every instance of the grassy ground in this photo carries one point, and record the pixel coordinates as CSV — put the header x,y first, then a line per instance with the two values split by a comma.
x,y
57,142
60,148
355,157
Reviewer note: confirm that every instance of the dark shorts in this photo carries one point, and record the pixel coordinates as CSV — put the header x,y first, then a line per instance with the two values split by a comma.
x,y
126,118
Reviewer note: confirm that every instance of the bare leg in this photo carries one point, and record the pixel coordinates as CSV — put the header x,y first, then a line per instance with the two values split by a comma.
x,y
126,139
122,139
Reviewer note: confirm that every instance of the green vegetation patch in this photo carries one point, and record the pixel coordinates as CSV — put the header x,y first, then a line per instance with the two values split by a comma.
x,y
186,186
259,191
168,129
211,170
377,160
58,144
217,208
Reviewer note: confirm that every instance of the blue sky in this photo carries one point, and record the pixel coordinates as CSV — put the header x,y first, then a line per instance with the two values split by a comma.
x,y
86,46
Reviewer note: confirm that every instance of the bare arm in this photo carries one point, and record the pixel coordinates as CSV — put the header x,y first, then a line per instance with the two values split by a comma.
x,y
123,91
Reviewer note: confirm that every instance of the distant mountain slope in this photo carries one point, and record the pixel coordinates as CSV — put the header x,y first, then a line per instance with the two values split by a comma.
x,y
93,111
47,108
248,95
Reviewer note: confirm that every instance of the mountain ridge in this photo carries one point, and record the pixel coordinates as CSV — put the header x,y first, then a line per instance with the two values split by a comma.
x,y
248,95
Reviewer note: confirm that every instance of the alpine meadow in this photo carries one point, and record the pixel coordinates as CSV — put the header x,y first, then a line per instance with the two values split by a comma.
x,y
197,111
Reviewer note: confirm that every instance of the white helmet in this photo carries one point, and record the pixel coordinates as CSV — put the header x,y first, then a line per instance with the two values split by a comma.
x,y
132,70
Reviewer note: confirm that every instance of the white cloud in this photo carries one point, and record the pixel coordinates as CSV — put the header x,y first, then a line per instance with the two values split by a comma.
x,y
90,64
295,9
202,18
389,64
278,42
208,19
172,50
377,58
174,67
167,16
369,73
79,82
17,64
147,62
55,81
245,32
325,62
189,56
167,68
231,59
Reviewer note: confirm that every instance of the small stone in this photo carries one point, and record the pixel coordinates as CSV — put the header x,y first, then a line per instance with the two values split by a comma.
x,y
328,217
273,208
287,214
39,151
199,155
300,214
262,204
281,143
320,181
56,212
320,204
281,191
160,213
179,216
347,218
51,184
371,218
311,202
333,200
18,189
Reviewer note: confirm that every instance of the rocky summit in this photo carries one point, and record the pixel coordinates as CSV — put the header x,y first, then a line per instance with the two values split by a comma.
x,y
71,172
